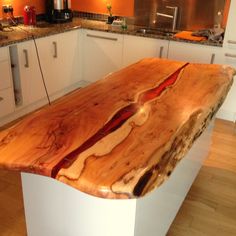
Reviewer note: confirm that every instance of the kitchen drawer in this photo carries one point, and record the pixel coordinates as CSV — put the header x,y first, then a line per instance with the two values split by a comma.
x,y
230,44
228,109
4,53
5,75
6,102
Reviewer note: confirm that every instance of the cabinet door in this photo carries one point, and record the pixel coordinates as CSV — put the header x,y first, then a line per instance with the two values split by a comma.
x,y
227,56
190,52
230,33
5,69
137,48
102,54
31,81
228,109
60,59
7,105
4,53
5,81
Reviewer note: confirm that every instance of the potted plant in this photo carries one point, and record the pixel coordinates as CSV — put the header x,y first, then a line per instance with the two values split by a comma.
x,y
110,18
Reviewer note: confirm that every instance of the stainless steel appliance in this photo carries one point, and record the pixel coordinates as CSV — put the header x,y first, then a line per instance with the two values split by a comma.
x,y
59,11
178,14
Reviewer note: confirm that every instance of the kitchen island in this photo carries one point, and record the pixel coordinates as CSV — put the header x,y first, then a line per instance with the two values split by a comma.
x,y
118,138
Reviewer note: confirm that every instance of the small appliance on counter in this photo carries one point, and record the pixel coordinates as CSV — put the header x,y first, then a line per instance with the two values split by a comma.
x,y
58,11
29,15
7,16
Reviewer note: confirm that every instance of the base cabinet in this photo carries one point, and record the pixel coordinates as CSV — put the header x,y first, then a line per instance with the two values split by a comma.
x,y
7,105
29,78
210,55
5,70
7,100
79,57
60,60
137,48
102,54
228,57
230,33
190,52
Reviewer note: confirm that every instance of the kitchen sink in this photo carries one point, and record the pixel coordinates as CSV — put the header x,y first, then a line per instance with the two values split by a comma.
x,y
159,32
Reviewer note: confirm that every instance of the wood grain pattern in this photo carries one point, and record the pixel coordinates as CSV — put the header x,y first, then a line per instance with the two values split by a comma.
x,y
121,136
210,206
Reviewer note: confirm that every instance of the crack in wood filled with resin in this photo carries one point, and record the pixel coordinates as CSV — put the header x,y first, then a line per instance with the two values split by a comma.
x,y
122,136
124,184
118,120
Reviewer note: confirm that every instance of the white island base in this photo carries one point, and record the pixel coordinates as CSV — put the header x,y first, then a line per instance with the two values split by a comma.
x,y
55,209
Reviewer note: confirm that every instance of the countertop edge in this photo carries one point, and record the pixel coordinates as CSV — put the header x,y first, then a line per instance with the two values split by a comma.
x,y
78,23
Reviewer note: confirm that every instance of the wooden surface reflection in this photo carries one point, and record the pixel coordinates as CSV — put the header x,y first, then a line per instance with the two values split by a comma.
x,y
123,135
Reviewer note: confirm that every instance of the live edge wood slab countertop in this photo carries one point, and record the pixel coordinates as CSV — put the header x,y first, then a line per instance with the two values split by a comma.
x,y
122,136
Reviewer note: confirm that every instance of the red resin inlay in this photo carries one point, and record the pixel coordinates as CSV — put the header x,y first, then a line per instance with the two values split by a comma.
x,y
118,120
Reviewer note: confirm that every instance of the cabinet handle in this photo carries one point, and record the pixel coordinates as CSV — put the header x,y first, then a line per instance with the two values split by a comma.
x,y
230,55
26,58
1,99
213,55
232,41
55,49
101,37
161,51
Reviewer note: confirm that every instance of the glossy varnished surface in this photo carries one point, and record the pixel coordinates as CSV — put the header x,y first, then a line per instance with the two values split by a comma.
x,y
203,212
122,136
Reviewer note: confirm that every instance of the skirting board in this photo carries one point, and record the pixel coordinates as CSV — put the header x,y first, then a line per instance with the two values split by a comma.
x,y
53,208
226,115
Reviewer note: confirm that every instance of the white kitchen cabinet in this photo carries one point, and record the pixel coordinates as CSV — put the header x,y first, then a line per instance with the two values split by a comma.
x,y
4,54
102,54
230,32
61,61
5,75
29,78
198,53
190,52
7,103
137,48
228,57
228,109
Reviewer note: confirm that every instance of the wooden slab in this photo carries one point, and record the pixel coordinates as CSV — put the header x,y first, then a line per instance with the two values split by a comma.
x,y
122,136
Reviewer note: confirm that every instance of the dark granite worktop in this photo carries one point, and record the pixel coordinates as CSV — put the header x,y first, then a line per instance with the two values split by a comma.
x,y
23,33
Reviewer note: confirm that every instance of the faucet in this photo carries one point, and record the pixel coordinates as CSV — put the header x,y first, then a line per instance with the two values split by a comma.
x,y
174,16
